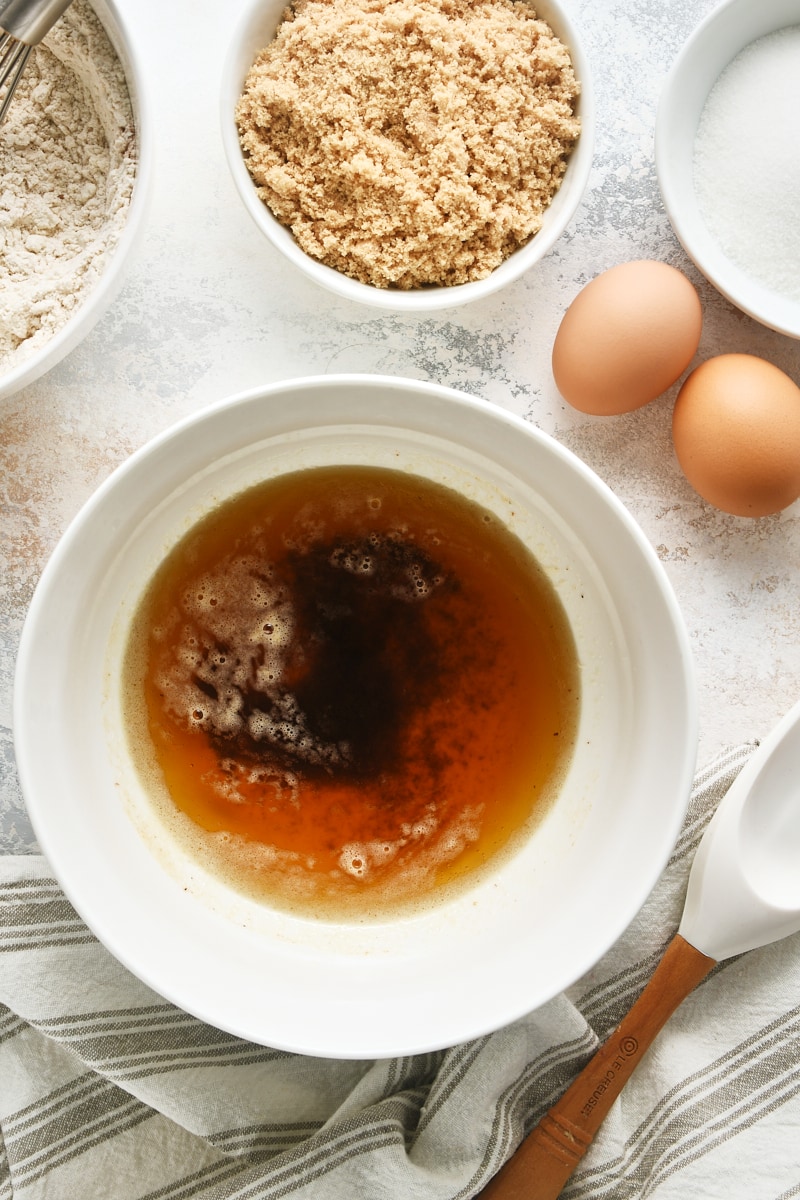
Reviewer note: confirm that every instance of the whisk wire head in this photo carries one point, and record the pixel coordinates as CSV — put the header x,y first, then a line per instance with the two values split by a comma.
x,y
23,24
13,57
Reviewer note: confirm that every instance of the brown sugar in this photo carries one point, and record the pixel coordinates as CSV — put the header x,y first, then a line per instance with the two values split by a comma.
x,y
410,144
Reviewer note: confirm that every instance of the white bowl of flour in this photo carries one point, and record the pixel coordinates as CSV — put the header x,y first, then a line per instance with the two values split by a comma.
x,y
74,153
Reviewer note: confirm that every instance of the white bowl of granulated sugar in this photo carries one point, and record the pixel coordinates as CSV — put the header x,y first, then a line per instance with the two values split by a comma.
x,y
75,164
728,155
388,149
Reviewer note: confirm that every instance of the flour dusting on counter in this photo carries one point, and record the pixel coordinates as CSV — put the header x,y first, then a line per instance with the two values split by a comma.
x,y
67,164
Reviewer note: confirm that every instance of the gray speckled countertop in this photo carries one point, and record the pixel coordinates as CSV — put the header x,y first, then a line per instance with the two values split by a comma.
x,y
209,309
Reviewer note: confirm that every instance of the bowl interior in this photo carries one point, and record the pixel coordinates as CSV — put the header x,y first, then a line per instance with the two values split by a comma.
x,y
256,29
730,27
96,301
400,985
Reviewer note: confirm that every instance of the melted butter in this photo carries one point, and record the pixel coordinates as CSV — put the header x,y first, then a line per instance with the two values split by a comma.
x,y
359,688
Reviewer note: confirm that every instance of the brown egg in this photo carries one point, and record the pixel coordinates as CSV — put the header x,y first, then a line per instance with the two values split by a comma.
x,y
736,431
627,337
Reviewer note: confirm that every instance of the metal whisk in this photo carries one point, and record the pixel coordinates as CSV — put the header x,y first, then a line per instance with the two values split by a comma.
x,y
23,24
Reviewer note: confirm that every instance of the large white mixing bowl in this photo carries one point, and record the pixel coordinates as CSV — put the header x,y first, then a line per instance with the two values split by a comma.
x,y
403,985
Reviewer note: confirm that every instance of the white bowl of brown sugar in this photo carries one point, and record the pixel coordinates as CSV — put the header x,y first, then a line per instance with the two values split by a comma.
x,y
409,155
75,150
369,716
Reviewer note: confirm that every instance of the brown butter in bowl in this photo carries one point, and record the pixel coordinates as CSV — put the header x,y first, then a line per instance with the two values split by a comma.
x,y
351,692
410,144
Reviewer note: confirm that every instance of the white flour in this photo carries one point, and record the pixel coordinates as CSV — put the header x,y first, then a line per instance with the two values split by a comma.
x,y
67,167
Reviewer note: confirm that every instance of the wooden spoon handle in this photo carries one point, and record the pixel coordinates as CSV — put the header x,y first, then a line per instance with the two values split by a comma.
x,y
548,1156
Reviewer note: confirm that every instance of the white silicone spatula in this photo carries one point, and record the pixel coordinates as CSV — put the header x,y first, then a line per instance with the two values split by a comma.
x,y
743,892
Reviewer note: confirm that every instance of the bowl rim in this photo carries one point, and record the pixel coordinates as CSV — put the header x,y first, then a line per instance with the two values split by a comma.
x,y
103,292
364,1035
675,129
559,15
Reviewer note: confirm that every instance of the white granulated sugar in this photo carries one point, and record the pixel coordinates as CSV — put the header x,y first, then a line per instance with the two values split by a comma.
x,y
67,168
747,161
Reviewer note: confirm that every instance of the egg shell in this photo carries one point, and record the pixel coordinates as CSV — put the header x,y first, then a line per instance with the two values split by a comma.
x,y
736,433
626,337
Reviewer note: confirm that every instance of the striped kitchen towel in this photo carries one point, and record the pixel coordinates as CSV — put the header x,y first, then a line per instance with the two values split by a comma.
x,y
109,1093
